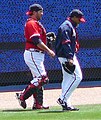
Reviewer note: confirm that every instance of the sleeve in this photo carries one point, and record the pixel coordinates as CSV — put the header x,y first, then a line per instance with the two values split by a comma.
x,y
36,40
66,42
32,29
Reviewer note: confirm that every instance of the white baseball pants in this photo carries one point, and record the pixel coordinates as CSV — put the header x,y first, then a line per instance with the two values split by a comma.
x,y
35,62
70,81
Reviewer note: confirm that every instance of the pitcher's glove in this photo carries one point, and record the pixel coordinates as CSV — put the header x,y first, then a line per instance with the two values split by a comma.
x,y
68,68
50,39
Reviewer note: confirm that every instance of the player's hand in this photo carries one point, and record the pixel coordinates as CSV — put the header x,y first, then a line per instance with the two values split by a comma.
x,y
51,53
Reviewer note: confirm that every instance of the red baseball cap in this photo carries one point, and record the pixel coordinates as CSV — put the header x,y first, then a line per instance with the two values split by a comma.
x,y
77,13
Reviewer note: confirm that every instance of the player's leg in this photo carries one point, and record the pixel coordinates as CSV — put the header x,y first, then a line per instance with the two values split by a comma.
x,y
36,68
70,82
66,82
38,97
38,100
28,91
25,94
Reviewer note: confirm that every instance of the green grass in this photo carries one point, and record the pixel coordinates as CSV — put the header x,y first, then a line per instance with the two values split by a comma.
x,y
86,112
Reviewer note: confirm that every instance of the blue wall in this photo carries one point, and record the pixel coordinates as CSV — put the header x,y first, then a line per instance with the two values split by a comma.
x,y
12,17
12,20
12,60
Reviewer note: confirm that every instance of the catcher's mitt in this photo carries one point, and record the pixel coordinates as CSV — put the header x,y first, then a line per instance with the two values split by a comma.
x,y
51,36
50,39
68,68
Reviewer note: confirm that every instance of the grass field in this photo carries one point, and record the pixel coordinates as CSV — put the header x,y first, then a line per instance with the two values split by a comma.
x,y
86,112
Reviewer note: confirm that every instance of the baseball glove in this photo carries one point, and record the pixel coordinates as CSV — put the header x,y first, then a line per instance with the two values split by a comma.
x,y
68,68
51,36
50,39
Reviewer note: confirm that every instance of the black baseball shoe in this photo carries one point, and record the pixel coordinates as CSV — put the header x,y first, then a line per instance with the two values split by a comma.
x,y
62,103
70,109
65,107
21,102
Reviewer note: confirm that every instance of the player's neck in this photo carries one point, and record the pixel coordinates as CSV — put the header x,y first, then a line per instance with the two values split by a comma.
x,y
34,17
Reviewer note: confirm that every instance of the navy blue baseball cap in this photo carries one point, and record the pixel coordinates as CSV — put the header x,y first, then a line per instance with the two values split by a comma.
x,y
77,13
34,7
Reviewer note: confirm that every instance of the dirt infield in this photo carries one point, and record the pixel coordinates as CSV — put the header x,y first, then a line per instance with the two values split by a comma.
x,y
81,96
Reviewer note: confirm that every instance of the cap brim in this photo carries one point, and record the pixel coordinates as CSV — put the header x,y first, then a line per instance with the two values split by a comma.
x,y
28,13
82,19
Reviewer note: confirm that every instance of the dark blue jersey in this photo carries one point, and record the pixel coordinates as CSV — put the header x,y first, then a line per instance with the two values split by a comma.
x,y
66,40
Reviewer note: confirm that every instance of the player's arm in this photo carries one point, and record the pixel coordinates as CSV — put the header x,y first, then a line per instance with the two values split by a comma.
x,y
34,36
66,43
38,42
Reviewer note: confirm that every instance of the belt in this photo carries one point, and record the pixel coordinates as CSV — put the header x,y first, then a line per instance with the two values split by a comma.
x,y
35,50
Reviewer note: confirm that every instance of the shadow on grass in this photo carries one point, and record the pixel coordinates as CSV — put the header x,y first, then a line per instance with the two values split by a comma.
x,y
26,110
55,111
16,110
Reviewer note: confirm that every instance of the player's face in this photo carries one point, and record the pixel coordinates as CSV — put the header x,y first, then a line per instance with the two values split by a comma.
x,y
39,14
76,20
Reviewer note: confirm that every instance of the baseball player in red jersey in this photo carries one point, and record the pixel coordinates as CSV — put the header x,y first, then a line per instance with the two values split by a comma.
x,y
35,35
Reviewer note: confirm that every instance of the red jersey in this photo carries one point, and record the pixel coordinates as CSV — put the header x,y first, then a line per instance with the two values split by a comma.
x,y
34,28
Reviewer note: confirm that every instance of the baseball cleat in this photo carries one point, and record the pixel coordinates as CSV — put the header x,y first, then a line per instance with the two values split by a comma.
x,y
21,102
45,107
62,103
70,109
65,107
39,107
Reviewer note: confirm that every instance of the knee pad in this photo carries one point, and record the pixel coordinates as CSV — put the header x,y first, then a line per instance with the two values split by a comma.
x,y
44,80
35,82
38,82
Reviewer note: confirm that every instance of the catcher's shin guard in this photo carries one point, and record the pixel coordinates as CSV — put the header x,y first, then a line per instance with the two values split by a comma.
x,y
29,90
38,99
